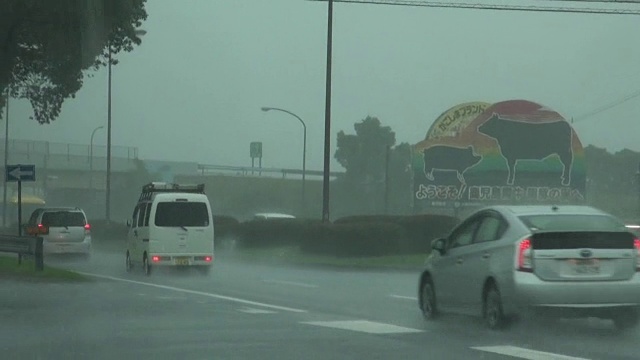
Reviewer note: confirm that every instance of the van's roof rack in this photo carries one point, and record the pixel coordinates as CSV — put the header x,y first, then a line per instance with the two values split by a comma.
x,y
163,187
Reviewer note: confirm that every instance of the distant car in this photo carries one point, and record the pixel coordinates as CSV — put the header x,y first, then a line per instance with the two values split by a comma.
x,y
270,216
504,261
65,230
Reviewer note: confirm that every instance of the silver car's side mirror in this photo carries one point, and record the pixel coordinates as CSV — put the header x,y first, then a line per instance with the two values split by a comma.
x,y
129,222
439,245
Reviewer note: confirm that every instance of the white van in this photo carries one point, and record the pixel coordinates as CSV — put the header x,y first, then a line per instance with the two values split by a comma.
x,y
171,225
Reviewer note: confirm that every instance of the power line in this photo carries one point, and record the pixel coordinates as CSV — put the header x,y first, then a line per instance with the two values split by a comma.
x,y
637,2
494,7
607,107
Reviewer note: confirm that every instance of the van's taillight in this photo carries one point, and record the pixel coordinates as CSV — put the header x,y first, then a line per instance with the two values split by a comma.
x,y
636,244
155,258
208,258
524,256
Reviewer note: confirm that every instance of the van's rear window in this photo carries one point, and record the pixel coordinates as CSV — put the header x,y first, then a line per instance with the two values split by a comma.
x,y
562,222
175,214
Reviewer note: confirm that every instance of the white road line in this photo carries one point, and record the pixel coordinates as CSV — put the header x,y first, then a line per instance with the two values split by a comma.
x,y
256,311
365,326
412,298
523,353
202,293
292,283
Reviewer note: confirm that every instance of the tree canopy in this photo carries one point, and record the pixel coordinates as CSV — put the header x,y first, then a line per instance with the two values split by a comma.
x,y
363,154
46,46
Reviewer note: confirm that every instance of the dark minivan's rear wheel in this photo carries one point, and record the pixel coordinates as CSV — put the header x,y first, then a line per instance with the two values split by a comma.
x,y
146,266
428,305
128,262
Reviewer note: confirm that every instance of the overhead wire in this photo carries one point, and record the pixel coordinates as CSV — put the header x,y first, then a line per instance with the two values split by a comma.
x,y
525,8
497,7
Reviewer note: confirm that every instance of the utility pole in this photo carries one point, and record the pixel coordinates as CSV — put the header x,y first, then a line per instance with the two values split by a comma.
x,y
6,158
386,180
327,121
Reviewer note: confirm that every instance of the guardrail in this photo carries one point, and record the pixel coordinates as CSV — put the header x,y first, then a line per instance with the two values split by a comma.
x,y
244,170
24,245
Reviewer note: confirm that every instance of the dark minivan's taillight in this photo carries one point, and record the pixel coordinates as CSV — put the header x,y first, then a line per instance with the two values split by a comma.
x,y
525,261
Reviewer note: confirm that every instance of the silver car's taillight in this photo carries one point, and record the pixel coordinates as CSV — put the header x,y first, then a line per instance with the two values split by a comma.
x,y
525,261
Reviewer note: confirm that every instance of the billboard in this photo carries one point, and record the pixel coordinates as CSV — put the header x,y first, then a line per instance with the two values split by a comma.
x,y
512,152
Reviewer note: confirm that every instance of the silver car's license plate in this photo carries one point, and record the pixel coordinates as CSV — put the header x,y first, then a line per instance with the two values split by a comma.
x,y
586,267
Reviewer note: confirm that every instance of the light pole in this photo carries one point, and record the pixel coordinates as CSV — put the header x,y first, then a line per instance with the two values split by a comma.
x,y
6,158
304,149
91,158
139,33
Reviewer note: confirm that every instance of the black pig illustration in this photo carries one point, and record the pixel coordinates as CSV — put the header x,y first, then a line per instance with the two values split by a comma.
x,y
520,140
449,158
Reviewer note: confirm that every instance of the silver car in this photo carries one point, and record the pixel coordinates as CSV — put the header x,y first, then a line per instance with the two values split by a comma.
x,y
506,261
63,229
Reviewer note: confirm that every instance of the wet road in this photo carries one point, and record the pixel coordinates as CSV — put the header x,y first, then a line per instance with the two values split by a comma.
x,y
246,311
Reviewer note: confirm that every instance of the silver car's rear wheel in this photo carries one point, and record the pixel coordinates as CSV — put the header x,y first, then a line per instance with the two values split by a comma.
x,y
626,319
493,312
428,306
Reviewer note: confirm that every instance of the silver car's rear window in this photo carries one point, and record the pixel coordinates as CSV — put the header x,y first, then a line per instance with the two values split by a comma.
x,y
63,218
562,222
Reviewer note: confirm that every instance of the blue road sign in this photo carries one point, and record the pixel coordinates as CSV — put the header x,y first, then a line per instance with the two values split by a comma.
x,y
21,173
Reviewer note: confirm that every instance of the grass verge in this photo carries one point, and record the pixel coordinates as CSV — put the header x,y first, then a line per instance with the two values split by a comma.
x,y
292,255
9,269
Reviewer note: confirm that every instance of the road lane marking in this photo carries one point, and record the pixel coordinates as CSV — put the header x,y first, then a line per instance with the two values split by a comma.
x,y
523,353
292,283
202,293
412,298
256,311
364,326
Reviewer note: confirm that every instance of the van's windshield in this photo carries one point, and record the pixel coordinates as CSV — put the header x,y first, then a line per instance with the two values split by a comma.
x,y
177,214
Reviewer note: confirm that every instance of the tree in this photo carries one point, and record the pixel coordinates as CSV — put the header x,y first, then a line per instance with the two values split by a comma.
x,y
612,181
363,154
46,46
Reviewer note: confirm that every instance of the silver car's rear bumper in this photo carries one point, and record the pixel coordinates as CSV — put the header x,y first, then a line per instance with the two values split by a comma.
x,y
62,247
529,290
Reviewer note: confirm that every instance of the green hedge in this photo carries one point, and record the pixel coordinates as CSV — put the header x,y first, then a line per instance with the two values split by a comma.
x,y
225,227
351,236
417,230
103,231
355,239
275,232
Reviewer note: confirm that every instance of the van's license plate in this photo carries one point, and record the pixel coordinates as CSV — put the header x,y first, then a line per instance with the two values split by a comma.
x,y
587,267
182,261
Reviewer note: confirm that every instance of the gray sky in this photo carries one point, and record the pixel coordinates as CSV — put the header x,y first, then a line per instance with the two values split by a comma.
x,y
193,90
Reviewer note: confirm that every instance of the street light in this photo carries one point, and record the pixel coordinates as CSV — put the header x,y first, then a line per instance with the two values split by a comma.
x,y
91,157
139,33
304,148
